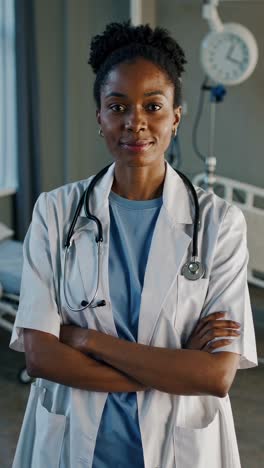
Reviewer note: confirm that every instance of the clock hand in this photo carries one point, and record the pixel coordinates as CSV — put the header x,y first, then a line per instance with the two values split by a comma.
x,y
230,50
229,55
231,59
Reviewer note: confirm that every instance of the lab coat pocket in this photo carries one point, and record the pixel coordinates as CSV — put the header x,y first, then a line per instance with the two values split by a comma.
x,y
199,447
190,300
49,434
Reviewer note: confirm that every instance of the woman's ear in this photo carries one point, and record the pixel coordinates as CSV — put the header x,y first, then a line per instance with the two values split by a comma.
x,y
98,117
177,116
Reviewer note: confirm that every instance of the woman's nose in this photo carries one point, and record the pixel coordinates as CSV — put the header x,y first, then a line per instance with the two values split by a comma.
x,y
136,121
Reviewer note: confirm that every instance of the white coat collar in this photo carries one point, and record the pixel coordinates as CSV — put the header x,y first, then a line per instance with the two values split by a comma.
x,y
177,199
100,193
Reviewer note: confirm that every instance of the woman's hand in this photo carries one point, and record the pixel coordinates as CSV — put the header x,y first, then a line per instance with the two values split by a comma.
x,y
211,327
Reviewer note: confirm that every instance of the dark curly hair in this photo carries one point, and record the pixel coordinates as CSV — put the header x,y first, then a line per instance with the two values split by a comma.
x,y
123,42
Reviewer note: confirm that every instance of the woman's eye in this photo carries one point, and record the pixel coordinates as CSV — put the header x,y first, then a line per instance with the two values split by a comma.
x,y
117,108
153,107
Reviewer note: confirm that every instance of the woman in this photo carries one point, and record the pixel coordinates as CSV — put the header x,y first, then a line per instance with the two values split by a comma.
x,y
136,379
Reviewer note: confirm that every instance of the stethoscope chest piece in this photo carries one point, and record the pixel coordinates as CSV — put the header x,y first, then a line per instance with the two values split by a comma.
x,y
193,270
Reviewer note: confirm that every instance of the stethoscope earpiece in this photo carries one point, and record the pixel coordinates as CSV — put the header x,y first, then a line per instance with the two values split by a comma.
x,y
101,303
193,270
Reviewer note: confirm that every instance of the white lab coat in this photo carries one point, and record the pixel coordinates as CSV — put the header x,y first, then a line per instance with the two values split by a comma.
x,y
61,423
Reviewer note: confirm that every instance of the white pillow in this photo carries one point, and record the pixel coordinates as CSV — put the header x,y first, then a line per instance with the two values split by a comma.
x,y
5,232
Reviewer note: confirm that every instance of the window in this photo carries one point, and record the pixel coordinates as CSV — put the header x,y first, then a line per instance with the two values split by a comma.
x,y
8,125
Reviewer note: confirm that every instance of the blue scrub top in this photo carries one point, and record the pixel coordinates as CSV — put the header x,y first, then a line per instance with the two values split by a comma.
x,y
132,223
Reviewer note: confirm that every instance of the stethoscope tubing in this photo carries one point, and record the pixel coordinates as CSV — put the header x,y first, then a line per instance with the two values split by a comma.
x,y
84,201
92,304
190,186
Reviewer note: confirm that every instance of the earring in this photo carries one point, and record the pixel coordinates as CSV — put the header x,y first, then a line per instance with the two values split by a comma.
x,y
100,132
174,131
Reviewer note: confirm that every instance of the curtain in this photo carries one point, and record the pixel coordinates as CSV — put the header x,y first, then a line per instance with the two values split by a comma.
x,y
29,185
8,134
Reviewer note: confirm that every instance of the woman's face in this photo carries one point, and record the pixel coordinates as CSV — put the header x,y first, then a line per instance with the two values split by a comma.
x,y
137,115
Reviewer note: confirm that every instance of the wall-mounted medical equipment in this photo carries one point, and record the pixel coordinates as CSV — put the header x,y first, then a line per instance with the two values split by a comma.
x,y
229,54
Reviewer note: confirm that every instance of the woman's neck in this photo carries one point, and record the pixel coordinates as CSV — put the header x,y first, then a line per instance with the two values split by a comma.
x,y
139,183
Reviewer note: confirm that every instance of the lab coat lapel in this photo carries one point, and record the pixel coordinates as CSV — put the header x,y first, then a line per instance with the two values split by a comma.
x,y
168,247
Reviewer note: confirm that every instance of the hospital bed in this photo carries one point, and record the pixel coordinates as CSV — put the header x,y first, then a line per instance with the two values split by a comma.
x,y
250,199
10,278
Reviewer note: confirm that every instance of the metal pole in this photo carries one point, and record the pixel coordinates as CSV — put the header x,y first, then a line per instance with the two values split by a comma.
x,y
136,12
211,160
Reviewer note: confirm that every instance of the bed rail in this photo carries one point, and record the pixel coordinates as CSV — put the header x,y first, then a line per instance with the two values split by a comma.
x,y
250,199
8,310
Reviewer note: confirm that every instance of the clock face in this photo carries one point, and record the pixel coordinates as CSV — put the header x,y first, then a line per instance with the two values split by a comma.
x,y
227,56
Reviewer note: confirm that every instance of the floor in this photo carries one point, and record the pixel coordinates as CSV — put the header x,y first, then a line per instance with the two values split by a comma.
x,y
247,397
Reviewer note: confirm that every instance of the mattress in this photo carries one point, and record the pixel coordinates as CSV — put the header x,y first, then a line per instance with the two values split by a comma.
x,y
11,259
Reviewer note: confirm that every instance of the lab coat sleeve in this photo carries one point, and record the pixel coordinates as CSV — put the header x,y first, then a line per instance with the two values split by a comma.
x,y
37,307
228,289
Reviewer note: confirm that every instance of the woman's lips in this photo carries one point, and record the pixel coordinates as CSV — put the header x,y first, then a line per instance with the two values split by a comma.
x,y
137,147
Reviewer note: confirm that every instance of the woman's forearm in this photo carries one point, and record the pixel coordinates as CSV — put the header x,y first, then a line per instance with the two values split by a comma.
x,y
177,371
48,358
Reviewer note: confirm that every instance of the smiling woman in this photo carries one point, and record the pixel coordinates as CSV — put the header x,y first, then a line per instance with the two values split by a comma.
x,y
139,375
137,117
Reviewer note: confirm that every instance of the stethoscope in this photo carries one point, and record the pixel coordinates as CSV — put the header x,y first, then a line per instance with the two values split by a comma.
x,y
191,270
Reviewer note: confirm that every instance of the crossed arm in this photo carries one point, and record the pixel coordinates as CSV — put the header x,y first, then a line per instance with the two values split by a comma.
x,y
92,360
